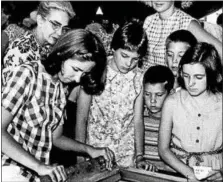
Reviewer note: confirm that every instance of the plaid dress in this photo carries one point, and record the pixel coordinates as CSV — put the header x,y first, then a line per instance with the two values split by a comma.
x,y
37,104
158,30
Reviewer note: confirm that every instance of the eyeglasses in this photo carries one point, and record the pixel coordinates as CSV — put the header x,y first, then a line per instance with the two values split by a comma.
x,y
57,26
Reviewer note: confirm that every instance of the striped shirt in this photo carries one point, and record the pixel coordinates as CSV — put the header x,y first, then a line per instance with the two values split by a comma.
x,y
151,140
37,104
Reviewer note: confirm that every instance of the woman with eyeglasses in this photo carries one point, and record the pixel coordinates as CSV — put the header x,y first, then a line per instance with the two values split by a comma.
x,y
33,102
52,21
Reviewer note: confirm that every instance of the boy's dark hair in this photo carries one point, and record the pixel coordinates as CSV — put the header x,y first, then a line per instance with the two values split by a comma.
x,y
84,46
181,36
206,55
131,36
159,74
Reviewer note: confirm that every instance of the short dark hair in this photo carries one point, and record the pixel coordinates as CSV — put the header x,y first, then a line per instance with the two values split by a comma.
x,y
131,36
84,46
206,55
159,74
181,36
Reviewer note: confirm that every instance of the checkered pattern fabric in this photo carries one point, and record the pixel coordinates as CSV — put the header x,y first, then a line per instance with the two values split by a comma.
x,y
23,49
37,104
158,30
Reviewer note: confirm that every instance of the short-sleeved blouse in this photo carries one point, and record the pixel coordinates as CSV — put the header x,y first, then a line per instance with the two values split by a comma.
x,y
110,122
158,30
37,104
198,128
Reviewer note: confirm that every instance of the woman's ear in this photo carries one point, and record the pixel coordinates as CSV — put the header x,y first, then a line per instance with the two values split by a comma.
x,y
39,20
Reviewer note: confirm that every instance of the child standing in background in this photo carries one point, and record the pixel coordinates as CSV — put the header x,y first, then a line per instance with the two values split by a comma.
x,y
177,44
167,19
156,88
191,124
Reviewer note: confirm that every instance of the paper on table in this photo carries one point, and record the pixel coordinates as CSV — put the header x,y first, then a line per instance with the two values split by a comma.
x,y
202,172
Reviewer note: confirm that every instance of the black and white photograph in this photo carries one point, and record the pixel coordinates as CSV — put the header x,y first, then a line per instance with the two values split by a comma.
x,y
111,91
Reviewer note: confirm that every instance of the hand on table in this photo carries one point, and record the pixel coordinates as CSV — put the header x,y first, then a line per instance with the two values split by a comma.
x,y
56,172
144,164
108,155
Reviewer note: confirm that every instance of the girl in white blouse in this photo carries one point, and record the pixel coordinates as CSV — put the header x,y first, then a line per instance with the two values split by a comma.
x,y
191,125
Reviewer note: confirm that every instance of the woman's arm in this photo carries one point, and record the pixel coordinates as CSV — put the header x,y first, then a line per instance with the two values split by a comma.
x,y
83,107
68,144
165,132
139,125
13,149
203,36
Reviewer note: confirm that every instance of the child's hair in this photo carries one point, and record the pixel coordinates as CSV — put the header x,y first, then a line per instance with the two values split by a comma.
x,y
181,36
131,36
159,74
82,45
206,55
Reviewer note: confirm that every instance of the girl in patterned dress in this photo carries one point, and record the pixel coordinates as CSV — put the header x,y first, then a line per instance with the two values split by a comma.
x,y
166,20
191,125
114,118
33,102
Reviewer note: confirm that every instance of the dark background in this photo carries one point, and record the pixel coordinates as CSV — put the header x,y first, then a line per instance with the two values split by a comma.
x,y
115,11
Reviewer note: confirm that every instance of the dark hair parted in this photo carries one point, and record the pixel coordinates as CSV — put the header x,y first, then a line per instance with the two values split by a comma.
x,y
206,55
132,37
181,36
81,45
159,74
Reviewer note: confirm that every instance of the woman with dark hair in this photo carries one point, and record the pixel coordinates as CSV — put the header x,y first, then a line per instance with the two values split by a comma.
x,y
190,133
33,101
114,118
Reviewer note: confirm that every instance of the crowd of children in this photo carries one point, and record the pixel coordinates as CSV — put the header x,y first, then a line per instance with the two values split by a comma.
x,y
154,104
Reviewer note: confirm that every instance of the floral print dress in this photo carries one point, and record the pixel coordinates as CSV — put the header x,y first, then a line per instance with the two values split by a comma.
x,y
111,115
23,49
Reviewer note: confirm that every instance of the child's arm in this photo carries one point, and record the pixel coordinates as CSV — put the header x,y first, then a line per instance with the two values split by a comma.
x,y
165,132
203,36
139,125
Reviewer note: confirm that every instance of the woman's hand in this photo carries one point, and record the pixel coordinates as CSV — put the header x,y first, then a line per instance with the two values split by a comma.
x,y
108,155
56,172
144,164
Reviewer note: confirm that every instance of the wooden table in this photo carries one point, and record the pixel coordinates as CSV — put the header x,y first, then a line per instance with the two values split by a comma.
x,y
125,175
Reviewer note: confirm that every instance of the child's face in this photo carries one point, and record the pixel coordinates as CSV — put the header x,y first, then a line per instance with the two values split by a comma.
x,y
195,79
174,53
162,6
73,69
124,60
154,96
